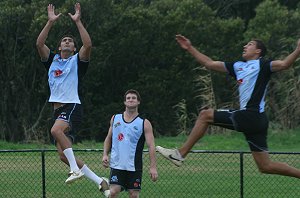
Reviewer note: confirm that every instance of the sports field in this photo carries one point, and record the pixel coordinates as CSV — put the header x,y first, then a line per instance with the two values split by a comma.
x,y
203,175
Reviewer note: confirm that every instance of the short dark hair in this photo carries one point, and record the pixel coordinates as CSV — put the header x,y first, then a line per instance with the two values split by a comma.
x,y
260,45
64,36
132,91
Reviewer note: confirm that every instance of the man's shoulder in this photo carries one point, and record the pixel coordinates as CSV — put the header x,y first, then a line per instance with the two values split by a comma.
x,y
265,60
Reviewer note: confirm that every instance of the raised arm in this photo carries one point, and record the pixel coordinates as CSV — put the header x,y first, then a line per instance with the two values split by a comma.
x,y
107,146
201,58
43,50
85,50
151,146
286,63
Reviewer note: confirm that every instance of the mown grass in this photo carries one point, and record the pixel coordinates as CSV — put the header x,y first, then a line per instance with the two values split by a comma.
x,y
287,140
203,174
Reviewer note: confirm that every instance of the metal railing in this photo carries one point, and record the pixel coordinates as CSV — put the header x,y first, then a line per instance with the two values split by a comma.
x,y
40,173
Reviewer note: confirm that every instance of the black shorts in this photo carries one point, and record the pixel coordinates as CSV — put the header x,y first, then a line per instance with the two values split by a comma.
x,y
128,180
254,126
72,114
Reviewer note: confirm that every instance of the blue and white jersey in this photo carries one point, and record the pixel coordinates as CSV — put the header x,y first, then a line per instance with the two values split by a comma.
x,y
252,77
64,78
128,141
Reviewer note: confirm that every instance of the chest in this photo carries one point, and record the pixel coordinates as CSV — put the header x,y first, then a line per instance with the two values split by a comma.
x,y
123,131
247,69
62,67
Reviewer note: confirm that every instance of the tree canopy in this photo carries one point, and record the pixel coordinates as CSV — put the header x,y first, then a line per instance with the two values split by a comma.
x,y
134,47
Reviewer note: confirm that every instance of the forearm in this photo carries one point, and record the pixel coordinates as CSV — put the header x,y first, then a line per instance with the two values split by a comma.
x,y
44,34
201,58
152,157
106,147
290,59
85,37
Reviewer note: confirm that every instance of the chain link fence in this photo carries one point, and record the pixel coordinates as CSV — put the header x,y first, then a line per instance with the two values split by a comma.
x,y
207,174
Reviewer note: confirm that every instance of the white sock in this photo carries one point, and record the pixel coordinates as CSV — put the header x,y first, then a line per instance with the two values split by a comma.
x,y
71,159
91,175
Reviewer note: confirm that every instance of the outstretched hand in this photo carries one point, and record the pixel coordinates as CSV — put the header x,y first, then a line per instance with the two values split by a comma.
x,y
51,14
183,42
75,17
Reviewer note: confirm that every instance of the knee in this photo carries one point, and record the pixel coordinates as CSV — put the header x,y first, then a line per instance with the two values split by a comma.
x,y
55,132
265,168
206,115
113,193
133,194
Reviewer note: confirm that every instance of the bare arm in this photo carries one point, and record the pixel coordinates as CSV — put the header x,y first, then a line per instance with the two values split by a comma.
x,y
43,50
107,146
286,63
85,50
201,58
151,146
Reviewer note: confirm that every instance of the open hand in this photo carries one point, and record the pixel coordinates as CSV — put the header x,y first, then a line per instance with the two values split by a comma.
x,y
51,14
183,42
75,17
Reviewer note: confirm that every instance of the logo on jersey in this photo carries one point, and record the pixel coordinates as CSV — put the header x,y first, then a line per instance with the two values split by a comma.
x,y
240,81
57,73
117,124
56,59
120,136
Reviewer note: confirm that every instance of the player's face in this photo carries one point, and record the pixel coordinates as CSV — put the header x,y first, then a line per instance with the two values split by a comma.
x,y
251,51
131,100
67,44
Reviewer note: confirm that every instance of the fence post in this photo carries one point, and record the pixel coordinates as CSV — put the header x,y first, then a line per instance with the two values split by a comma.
x,y
242,174
43,174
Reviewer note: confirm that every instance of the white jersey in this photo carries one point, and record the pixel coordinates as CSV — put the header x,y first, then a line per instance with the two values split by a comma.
x,y
127,144
252,77
63,80
64,77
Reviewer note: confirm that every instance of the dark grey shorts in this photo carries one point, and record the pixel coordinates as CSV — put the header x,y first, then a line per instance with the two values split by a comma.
x,y
252,124
128,180
72,114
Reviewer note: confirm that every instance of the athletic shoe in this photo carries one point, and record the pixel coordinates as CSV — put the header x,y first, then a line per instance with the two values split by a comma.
x,y
74,175
171,154
104,187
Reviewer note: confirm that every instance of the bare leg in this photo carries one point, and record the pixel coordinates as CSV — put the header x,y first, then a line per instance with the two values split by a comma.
x,y
265,165
114,190
134,193
63,142
58,132
64,159
205,117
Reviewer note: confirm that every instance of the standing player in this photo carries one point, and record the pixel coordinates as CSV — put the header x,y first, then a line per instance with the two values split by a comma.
x,y
125,139
252,76
65,72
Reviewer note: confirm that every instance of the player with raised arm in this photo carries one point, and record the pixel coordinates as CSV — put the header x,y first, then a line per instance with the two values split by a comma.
x,y
66,70
252,76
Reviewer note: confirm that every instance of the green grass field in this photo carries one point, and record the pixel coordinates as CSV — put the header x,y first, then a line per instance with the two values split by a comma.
x,y
205,175
288,140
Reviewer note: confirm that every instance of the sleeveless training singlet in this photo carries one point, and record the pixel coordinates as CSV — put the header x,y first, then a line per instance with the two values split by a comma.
x,y
127,143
